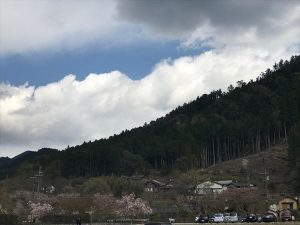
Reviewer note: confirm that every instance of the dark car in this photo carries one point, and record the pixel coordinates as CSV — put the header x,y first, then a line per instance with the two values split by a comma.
x,y
251,218
269,217
242,218
286,215
259,218
202,219
158,223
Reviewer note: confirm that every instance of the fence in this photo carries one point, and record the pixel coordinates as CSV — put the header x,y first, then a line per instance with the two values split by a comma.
x,y
65,219
7,219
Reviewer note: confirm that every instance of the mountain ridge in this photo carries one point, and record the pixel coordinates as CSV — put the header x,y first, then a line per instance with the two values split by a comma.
x,y
215,127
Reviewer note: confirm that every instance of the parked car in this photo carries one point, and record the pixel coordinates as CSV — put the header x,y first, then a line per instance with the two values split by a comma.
x,y
269,217
202,219
286,215
242,218
259,218
251,218
226,217
217,218
158,223
231,217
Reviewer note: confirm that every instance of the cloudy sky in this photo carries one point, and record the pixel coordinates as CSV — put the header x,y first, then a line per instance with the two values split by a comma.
x,y
73,71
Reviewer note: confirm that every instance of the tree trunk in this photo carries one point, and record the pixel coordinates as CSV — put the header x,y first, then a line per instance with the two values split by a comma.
x,y
285,133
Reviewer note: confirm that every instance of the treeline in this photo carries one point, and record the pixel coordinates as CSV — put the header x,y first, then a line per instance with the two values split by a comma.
x,y
294,154
213,128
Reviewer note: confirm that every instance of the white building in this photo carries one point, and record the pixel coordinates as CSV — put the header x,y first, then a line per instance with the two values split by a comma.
x,y
209,187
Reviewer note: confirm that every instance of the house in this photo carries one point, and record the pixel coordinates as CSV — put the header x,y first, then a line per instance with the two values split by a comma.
x,y
155,185
149,187
241,186
133,177
288,203
209,187
137,177
224,183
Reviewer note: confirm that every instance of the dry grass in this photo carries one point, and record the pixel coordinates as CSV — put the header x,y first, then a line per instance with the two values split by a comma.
x,y
274,161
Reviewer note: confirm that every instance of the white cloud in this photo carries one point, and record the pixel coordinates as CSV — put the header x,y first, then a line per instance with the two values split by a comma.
x,y
248,37
69,111
30,25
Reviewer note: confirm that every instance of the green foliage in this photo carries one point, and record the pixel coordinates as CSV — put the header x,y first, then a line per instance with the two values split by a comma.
x,y
96,185
165,170
183,164
294,153
122,186
294,145
296,213
132,163
6,203
192,177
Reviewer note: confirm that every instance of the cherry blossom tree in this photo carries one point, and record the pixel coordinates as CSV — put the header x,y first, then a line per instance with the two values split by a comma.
x,y
131,206
38,210
25,199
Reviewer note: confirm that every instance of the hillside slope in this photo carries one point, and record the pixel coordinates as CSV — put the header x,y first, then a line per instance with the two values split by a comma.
x,y
274,161
216,127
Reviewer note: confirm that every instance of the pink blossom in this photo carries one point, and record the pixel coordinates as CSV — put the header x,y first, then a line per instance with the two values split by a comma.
x,y
131,206
39,210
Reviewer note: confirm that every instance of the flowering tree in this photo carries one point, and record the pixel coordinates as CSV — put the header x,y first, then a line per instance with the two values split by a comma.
x,y
39,210
24,200
131,206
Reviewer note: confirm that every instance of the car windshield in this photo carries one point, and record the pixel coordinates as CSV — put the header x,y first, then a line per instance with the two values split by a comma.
x,y
233,214
286,213
218,215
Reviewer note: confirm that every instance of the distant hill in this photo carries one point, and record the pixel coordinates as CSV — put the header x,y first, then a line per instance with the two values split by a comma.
x,y
214,128
4,161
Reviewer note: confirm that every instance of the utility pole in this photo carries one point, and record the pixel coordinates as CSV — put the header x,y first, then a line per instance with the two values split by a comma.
x,y
33,178
38,178
266,178
245,169
91,212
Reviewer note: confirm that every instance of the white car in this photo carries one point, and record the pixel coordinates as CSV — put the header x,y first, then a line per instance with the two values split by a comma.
x,y
217,218
231,217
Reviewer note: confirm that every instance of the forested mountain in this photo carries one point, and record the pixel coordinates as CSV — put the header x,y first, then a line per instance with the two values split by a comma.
x,y
213,128
4,161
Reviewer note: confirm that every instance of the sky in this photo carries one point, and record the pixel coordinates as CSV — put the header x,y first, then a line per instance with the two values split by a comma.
x,y
74,71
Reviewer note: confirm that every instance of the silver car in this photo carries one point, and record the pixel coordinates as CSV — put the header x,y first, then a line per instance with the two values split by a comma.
x,y
217,218
231,217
